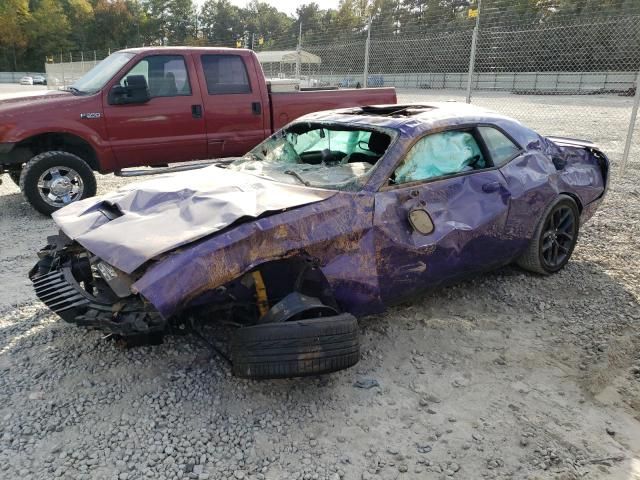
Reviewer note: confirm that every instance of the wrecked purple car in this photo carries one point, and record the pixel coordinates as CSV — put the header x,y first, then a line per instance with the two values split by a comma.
x,y
338,215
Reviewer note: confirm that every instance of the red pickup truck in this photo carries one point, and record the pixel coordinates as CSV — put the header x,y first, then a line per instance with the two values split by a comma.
x,y
149,107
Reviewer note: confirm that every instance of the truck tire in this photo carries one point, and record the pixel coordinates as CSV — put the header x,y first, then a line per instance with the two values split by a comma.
x,y
297,348
52,180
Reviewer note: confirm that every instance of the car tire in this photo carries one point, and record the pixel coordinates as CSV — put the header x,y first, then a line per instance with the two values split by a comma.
x,y
14,175
296,349
552,232
75,170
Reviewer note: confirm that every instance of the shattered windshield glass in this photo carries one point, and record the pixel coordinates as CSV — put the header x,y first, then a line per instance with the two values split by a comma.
x,y
317,155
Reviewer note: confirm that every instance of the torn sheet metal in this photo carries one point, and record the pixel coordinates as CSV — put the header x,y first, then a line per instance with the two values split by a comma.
x,y
162,214
337,232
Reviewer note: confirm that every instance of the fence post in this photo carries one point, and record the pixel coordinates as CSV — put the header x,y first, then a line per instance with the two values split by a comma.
x,y
472,56
366,56
299,53
632,124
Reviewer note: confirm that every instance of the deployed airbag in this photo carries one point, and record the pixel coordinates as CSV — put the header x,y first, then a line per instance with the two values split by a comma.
x,y
440,154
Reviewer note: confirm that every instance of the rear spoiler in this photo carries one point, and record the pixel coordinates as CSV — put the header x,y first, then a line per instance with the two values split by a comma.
x,y
574,142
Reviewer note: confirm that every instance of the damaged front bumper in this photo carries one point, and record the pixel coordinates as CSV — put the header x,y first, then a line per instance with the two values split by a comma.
x,y
85,291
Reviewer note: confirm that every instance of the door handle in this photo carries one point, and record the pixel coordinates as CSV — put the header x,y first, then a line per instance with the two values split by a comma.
x,y
196,111
491,187
256,108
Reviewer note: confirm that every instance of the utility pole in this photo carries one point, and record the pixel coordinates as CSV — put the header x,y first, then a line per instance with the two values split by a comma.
x,y
472,59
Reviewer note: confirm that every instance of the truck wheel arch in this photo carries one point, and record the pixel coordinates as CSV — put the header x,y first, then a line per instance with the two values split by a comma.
x,y
56,141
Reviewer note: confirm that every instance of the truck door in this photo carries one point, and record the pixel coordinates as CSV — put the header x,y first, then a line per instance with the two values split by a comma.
x,y
235,103
170,127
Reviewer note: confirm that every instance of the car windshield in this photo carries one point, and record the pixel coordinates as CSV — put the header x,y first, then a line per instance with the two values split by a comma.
x,y
335,157
99,75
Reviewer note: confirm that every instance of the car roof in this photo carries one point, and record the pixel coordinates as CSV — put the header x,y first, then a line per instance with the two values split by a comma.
x,y
413,119
401,116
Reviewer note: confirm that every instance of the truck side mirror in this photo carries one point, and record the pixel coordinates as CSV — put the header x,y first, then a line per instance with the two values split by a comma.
x,y
135,91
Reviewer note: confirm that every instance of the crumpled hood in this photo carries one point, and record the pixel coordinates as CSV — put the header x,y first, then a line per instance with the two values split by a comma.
x,y
161,214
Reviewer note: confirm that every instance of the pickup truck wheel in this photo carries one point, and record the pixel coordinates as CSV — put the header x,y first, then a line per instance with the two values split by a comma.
x,y
52,180
297,348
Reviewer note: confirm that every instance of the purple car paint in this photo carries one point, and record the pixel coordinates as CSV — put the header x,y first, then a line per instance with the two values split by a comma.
x,y
360,238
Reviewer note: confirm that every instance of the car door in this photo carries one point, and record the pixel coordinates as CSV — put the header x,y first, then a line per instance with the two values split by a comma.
x,y
233,103
448,178
169,127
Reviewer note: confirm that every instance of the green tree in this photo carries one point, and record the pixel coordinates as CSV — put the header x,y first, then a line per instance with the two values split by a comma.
x,y
14,19
48,32
220,22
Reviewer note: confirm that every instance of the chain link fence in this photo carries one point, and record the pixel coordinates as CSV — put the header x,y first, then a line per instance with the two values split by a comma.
x,y
568,79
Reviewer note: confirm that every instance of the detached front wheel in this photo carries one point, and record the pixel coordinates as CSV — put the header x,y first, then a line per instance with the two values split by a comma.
x,y
297,348
52,180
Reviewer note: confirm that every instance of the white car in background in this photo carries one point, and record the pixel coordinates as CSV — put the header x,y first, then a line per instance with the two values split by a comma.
x,y
39,80
26,80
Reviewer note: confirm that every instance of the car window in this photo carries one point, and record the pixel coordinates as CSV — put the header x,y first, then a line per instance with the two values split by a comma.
x,y
440,154
225,74
324,156
166,75
500,147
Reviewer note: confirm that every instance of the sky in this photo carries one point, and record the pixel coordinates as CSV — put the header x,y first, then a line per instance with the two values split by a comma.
x,y
287,6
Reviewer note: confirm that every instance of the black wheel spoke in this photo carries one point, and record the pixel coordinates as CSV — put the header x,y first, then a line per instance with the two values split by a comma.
x,y
568,236
566,225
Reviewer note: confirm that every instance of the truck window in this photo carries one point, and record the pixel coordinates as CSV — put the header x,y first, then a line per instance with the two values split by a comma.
x,y
225,74
166,75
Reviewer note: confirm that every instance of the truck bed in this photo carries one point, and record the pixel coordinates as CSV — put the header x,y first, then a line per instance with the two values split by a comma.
x,y
286,107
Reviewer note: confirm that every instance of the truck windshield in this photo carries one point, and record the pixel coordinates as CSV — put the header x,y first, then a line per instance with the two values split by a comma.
x,y
95,79
336,157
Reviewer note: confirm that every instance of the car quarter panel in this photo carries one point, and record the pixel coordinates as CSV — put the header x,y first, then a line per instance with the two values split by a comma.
x,y
337,232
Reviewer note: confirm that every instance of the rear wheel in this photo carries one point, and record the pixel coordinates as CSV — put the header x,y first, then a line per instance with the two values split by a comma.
x,y
297,348
554,239
52,180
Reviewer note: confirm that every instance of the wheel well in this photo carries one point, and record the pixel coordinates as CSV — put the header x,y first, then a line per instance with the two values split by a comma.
x,y
301,274
45,142
575,199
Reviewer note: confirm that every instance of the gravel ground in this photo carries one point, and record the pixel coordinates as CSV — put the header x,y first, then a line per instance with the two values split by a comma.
x,y
508,375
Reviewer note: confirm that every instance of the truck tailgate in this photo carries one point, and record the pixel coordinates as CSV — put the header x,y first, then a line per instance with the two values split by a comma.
x,y
286,107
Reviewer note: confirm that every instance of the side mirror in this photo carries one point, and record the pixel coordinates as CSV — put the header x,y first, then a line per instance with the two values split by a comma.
x,y
135,91
421,221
